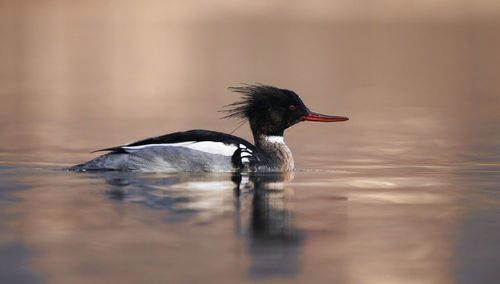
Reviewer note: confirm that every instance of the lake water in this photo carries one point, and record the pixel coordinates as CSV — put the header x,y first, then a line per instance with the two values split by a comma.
x,y
406,191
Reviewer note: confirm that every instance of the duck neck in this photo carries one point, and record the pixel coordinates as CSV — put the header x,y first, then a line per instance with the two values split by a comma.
x,y
274,147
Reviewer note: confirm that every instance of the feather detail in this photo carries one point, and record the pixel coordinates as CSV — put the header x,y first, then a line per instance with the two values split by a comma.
x,y
252,97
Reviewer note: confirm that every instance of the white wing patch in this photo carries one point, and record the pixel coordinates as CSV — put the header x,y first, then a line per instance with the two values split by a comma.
x,y
203,146
246,154
244,148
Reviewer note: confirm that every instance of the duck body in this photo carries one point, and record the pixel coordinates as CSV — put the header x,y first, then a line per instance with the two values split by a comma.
x,y
269,111
195,151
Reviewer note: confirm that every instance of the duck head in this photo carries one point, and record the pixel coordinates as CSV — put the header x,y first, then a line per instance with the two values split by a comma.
x,y
271,110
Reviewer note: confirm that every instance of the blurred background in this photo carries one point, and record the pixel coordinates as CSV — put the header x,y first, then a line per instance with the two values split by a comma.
x,y
418,80
406,191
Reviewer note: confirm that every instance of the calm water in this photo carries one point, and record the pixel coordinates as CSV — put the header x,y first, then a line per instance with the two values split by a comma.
x,y
350,224
339,218
406,191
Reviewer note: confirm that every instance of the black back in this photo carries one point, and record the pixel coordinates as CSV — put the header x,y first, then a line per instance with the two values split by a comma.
x,y
197,135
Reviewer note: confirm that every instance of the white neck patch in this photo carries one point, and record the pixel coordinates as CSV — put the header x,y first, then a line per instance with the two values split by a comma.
x,y
274,139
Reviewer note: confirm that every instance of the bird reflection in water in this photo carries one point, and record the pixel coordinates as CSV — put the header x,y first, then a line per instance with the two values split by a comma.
x,y
271,240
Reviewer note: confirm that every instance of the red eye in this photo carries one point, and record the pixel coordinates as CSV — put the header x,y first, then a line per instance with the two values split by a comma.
x,y
291,107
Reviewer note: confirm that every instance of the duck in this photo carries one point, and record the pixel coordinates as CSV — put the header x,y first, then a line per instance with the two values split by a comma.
x,y
269,111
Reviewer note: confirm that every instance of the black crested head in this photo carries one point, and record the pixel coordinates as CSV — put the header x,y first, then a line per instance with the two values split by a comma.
x,y
269,110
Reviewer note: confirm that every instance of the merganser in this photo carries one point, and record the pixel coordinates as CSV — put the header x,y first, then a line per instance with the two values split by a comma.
x,y
268,109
